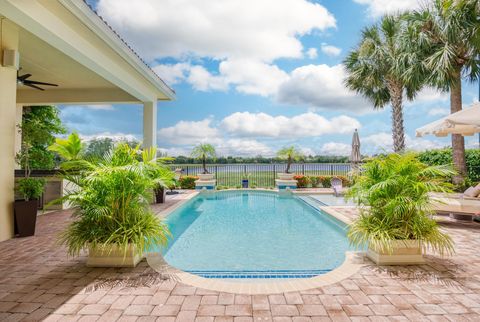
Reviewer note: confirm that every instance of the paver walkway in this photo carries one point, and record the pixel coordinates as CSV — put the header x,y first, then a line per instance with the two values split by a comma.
x,y
39,282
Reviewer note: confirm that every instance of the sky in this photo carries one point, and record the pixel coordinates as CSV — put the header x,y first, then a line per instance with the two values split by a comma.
x,y
253,76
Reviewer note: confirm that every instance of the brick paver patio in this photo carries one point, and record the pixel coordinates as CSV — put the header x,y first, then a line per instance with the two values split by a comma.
x,y
39,282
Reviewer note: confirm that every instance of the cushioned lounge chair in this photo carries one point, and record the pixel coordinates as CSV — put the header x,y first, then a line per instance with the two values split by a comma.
x,y
337,187
457,205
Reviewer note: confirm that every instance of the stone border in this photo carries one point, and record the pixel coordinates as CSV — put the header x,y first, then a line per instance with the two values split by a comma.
x,y
353,262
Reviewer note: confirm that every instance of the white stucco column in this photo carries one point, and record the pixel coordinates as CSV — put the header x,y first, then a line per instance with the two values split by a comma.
x,y
8,116
18,135
150,124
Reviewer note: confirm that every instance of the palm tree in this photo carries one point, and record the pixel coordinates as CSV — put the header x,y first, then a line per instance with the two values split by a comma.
x,y
290,154
376,70
448,33
70,148
203,152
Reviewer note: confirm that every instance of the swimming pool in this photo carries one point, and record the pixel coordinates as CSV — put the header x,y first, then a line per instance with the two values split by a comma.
x,y
253,234
331,200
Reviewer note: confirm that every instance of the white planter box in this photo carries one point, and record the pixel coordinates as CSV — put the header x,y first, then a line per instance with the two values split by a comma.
x,y
206,176
285,176
405,252
113,256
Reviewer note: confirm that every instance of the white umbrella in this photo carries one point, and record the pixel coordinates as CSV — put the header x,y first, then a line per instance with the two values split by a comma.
x,y
355,156
465,122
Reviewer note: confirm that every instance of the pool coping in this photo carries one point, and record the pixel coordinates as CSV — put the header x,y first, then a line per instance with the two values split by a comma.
x,y
353,262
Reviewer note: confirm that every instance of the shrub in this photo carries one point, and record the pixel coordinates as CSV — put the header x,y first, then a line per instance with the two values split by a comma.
x,y
325,181
302,181
187,182
314,181
30,188
393,195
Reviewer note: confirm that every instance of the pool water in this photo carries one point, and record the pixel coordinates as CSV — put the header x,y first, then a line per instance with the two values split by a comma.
x,y
332,200
253,234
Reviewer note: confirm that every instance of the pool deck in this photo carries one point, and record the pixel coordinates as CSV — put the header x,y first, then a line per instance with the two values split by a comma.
x,y
39,282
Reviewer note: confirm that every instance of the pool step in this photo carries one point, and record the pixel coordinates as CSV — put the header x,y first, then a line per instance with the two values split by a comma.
x,y
261,274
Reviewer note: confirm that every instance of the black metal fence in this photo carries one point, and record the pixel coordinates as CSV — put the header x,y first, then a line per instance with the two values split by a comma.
x,y
263,175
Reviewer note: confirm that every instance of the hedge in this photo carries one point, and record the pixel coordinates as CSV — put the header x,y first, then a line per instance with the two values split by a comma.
x,y
316,181
444,156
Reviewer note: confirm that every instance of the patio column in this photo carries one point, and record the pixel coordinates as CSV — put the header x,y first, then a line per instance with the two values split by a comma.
x,y
8,115
150,124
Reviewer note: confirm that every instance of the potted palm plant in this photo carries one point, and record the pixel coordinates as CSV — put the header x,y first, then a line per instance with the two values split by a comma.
x,y
113,219
203,152
163,177
29,189
25,210
290,154
395,220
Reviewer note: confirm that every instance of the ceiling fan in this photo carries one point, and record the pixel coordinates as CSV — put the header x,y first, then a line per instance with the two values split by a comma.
x,y
23,80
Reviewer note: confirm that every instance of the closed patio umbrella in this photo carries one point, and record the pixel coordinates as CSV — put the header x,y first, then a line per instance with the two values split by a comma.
x,y
465,122
355,156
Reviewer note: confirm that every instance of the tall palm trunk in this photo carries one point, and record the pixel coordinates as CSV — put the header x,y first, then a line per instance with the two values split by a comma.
x,y
204,164
458,142
398,131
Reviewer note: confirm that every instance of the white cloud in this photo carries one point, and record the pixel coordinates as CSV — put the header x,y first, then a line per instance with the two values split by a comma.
x,y
330,50
241,147
307,151
321,86
336,148
246,124
202,80
429,94
216,29
172,73
116,137
438,111
246,76
188,132
96,107
377,8
312,53
383,142
251,77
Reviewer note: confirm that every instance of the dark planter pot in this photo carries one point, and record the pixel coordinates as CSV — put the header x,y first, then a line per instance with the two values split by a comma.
x,y
160,195
25,217
245,183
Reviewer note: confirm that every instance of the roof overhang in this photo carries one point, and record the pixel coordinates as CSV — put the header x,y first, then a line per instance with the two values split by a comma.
x,y
65,42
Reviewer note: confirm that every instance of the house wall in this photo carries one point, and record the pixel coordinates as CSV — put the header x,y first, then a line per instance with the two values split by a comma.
x,y
8,116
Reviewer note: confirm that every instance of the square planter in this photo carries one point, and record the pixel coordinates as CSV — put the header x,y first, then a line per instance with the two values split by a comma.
x,y
206,176
405,252
113,256
25,217
160,195
285,176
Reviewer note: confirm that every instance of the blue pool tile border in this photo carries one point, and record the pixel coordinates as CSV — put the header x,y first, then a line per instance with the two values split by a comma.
x,y
268,274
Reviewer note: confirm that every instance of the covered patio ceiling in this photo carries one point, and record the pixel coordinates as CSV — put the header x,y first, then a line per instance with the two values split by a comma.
x,y
64,42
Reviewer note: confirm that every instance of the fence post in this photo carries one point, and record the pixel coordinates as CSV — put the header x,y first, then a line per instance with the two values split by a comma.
x,y
331,169
187,169
216,170
274,172
303,168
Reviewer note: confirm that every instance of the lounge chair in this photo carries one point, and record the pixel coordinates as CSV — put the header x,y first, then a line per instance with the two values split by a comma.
x,y
337,187
459,206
